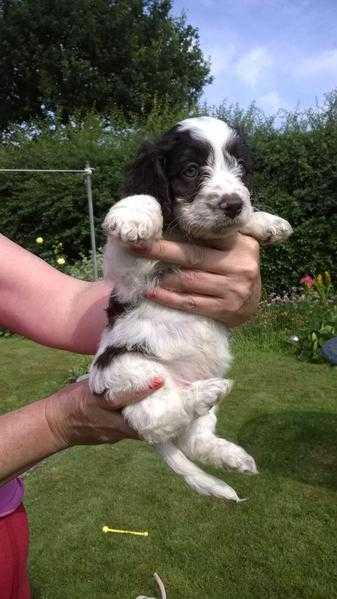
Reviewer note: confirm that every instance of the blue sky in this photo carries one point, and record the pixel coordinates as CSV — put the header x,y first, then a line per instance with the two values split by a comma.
x,y
282,53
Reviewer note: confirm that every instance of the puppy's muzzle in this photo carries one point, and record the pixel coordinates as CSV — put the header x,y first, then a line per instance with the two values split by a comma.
x,y
231,204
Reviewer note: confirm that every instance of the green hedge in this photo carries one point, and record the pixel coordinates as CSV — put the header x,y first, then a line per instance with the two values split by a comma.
x,y
295,177
54,206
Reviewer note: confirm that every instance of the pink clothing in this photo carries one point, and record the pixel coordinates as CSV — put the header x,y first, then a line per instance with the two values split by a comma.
x,y
14,542
11,495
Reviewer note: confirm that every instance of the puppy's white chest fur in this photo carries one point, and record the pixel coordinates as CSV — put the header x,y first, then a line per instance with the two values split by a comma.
x,y
190,346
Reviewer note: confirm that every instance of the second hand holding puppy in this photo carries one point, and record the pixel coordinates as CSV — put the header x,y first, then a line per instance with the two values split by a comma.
x,y
222,282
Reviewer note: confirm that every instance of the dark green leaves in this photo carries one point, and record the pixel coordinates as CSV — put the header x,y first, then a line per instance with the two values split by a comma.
x,y
96,55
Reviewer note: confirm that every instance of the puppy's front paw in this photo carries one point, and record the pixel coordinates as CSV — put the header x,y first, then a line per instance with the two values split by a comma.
x,y
278,230
267,228
135,218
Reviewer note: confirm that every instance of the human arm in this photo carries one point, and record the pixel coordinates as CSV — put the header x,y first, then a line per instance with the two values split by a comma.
x,y
60,311
71,416
48,306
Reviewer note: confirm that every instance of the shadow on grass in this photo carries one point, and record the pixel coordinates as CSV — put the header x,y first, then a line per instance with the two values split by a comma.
x,y
299,445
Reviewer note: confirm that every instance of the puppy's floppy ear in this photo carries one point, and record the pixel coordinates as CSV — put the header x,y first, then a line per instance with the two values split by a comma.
x,y
240,150
146,175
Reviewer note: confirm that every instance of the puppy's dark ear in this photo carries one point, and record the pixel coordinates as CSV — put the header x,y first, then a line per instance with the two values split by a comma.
x,y
240,150
146,175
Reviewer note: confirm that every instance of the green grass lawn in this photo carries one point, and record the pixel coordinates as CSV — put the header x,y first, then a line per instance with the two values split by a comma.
x,y
282,543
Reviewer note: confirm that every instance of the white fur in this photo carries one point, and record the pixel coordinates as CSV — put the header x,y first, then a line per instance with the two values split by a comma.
x,y
267,228
191,352
209,128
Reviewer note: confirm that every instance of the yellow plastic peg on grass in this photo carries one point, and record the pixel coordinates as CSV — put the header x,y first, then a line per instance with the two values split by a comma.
x,y
126,532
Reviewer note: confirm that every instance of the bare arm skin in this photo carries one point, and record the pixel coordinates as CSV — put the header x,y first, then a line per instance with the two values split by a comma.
x,y
72,416
48,306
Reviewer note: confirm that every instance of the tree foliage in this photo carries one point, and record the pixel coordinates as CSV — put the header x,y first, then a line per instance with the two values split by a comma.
x,y
100,55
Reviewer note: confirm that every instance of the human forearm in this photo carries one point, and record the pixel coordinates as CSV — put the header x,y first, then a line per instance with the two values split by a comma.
x,y
45,305
25,439
86,318
71,416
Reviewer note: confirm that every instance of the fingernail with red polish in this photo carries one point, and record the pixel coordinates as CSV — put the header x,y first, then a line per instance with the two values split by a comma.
x,y
156,383
150,293
139,247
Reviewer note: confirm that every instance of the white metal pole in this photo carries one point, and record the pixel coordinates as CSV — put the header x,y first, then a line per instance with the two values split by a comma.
x,y
88,175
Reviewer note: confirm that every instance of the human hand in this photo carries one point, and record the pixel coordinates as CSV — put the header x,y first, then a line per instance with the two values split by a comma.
x,y
221,282
78,417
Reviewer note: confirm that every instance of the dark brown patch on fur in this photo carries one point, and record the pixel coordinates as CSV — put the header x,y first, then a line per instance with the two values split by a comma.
x,y
111,352
115,309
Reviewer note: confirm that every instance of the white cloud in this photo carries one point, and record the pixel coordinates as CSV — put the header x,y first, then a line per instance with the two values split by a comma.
x,y
271,102
325,63
249,67
221,59
253,65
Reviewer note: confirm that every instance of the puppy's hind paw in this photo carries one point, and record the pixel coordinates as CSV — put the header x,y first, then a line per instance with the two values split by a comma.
x,y
203,395
234,457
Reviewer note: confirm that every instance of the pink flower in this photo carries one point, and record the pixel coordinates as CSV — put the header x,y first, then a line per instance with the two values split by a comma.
x,y
307,280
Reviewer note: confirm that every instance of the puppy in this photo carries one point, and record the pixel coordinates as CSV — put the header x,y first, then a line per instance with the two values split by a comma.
x,y
192,185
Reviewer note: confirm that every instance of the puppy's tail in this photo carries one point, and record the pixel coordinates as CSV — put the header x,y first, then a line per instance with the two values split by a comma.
x,y
195,477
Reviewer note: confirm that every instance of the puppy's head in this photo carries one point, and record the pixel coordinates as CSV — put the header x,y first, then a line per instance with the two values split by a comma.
x,y
198,171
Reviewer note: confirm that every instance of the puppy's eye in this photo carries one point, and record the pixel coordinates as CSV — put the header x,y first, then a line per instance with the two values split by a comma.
x,y
191,171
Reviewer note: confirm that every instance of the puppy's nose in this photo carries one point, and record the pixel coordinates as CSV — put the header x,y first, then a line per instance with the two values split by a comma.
x,y
231,204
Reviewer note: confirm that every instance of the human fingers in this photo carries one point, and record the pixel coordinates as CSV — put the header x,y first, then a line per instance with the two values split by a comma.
x,y
237,255
76,416
196,282
198,304
182,254
232,309
121,399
